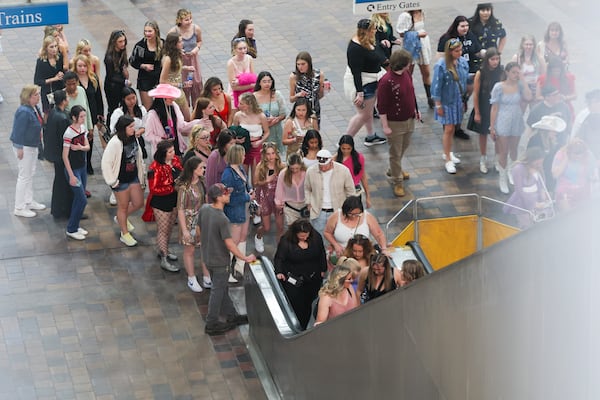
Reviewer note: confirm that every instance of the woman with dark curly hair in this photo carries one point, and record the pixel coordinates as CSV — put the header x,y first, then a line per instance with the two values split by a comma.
x,y
300,265
360,248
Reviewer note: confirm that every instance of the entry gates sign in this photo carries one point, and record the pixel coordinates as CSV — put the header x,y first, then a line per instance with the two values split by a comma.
x,y
384,6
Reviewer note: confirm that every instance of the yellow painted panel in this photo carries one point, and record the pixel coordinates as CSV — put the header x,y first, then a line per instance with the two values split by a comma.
x,y
494,231
407,235
447,240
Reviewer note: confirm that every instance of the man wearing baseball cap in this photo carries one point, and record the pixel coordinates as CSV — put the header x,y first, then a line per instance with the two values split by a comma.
x,y
217,243
326,186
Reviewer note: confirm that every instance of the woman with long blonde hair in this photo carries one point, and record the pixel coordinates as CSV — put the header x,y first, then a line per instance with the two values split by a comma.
x,y
337,295
49,69
84,47
265,183
449,85
89,81
360,82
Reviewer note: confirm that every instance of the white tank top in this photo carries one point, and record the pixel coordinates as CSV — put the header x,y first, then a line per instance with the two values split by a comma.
x,y
342,233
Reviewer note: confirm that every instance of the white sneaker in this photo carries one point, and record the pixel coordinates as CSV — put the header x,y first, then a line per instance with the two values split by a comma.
x,y
232,279
76,235
194,285
82,231
112,200
259,244
24,212
34,205
207,282
450,167
482,165
453,158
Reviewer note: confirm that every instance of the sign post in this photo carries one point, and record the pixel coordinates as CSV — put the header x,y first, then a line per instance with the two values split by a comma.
x,y
28,15
385,6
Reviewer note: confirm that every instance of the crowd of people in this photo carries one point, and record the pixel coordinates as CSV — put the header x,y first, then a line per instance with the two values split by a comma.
x,y
211,153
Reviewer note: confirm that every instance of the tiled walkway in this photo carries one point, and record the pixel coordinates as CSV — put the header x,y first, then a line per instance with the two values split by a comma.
x,y
95,320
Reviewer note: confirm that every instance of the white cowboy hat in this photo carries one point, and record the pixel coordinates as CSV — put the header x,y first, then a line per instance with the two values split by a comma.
x,y
550,123
165,91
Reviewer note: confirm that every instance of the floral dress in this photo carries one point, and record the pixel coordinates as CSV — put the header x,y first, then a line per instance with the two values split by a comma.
x,y
189,199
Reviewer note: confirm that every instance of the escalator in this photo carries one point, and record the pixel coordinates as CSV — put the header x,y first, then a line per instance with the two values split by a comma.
x,y
517,320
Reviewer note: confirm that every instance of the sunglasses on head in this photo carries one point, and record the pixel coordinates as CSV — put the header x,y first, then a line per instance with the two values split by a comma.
x,y
364,23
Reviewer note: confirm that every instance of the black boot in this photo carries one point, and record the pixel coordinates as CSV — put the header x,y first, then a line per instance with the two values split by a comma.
x,y
430,101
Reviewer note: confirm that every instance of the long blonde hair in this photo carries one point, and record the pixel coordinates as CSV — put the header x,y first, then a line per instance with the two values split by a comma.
x,y
450,45
45,43
263,165
335,281
88,63
381,21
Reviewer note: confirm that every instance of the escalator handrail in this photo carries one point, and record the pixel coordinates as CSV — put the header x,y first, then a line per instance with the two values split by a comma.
x,y
418,251
282,299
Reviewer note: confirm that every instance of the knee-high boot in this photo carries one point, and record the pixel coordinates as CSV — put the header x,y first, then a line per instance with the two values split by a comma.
x,y
503,180
430,101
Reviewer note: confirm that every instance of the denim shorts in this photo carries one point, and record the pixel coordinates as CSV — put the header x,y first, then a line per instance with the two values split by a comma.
x,y
125,185
369,90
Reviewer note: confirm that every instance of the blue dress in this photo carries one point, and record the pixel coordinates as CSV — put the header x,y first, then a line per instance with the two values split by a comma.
x,y
509,119
449,92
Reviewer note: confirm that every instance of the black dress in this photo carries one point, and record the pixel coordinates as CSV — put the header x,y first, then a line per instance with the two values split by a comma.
x,y
305,265
44,70
62,195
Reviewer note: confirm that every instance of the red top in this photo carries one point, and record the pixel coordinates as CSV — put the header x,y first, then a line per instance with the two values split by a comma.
x,y
224,113
160,177
396,96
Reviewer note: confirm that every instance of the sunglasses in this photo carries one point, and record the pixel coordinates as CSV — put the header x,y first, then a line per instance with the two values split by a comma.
x,y
355,214
364,24
454,43
269,144
323,160
240,39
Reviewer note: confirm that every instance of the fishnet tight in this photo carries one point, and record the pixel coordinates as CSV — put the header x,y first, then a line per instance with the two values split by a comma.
x,y
164,226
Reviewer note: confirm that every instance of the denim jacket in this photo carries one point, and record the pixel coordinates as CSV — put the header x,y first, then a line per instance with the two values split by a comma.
x,y
442,87
26,129
236,209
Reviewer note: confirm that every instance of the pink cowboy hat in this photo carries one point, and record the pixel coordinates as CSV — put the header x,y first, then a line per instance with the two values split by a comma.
x,y
165,91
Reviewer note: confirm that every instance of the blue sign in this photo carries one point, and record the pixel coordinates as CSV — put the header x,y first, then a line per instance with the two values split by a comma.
x,y
34,15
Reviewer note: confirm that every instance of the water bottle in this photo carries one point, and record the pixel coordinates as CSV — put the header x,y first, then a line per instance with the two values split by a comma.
x,y
168,132
190,76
